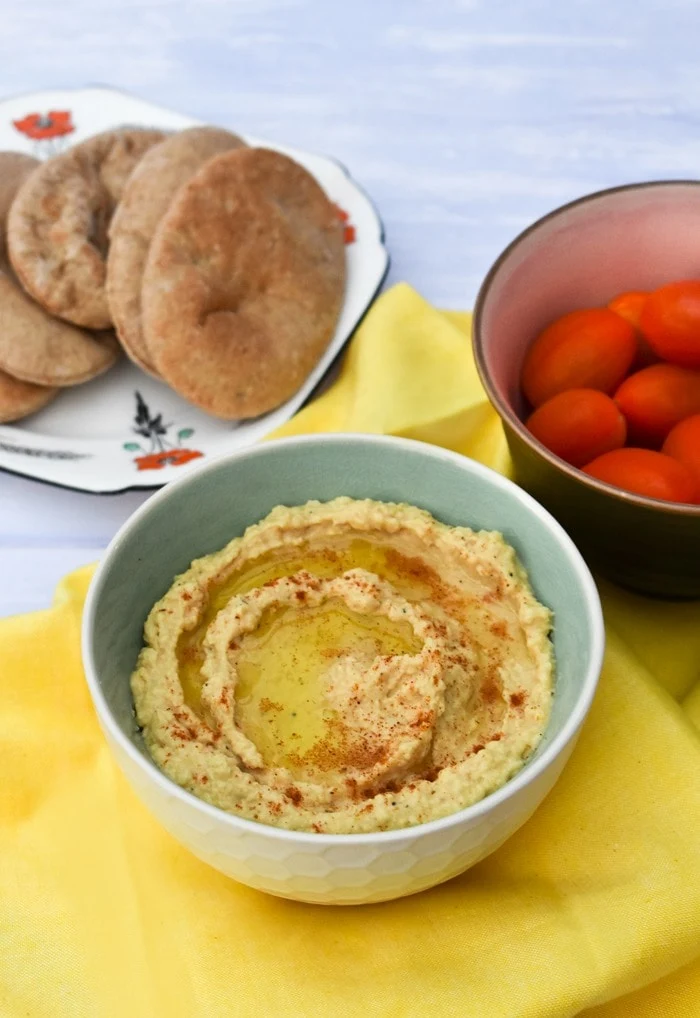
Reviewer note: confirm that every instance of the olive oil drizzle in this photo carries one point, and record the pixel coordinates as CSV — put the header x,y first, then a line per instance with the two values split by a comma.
x,y
282,667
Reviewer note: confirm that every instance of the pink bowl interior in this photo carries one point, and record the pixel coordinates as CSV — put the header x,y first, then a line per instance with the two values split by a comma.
x,y
634,238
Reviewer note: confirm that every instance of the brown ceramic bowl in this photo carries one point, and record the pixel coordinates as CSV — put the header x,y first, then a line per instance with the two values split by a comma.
x,y
637,237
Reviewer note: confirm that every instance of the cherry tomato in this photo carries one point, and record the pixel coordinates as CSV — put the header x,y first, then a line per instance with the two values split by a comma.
x,y
629,306
579,425
683,444
645,472
671,323
656,398
589,349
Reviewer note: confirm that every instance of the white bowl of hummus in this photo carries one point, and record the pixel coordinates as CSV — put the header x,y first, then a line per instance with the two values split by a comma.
x,y
342,668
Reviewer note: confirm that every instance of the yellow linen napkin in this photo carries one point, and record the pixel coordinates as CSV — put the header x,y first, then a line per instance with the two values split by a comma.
x,y
593,907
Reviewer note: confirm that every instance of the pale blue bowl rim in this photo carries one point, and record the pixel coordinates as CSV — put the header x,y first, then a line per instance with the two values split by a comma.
x,y
529,772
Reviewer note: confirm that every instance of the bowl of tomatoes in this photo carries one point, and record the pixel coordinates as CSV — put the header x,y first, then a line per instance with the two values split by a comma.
x,y
587,340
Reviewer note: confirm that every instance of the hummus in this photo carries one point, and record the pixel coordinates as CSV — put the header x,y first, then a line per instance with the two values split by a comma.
x,y
346,667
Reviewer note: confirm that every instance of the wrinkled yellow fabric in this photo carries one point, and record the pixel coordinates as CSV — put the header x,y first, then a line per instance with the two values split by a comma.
x,y
592,908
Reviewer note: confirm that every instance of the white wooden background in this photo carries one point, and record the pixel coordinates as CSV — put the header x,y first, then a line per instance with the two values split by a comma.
x,y
464,120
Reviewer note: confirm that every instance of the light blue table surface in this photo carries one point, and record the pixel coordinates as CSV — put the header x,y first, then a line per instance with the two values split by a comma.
x,y
463,119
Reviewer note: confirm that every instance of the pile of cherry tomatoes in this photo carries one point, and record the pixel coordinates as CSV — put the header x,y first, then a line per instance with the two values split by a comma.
x,y
616,391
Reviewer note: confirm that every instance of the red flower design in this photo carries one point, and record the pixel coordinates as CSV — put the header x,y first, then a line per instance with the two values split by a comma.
x,y
39,126
172,457
349,232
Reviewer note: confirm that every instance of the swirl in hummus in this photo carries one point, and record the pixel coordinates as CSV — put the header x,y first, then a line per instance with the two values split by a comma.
x,y
347,667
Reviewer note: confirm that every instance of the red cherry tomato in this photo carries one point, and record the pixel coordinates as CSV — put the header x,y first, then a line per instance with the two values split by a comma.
x,y
589,349
629,306
683,444
656,398
671,323
645,472
579,425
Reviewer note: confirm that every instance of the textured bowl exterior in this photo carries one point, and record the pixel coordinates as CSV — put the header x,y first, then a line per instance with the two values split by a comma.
x,y
581,255
327,872
206,508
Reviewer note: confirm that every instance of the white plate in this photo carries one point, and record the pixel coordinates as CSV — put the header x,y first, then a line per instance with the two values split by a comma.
x,y
87,438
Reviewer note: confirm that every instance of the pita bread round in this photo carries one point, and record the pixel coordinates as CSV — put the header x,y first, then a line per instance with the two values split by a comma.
x,y
57,227
244,283
147,195
35,346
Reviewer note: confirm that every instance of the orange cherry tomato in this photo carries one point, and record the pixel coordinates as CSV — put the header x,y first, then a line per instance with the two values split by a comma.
x,y
579,425
683,444
645,472
589,349
671,323
629,306
654,399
